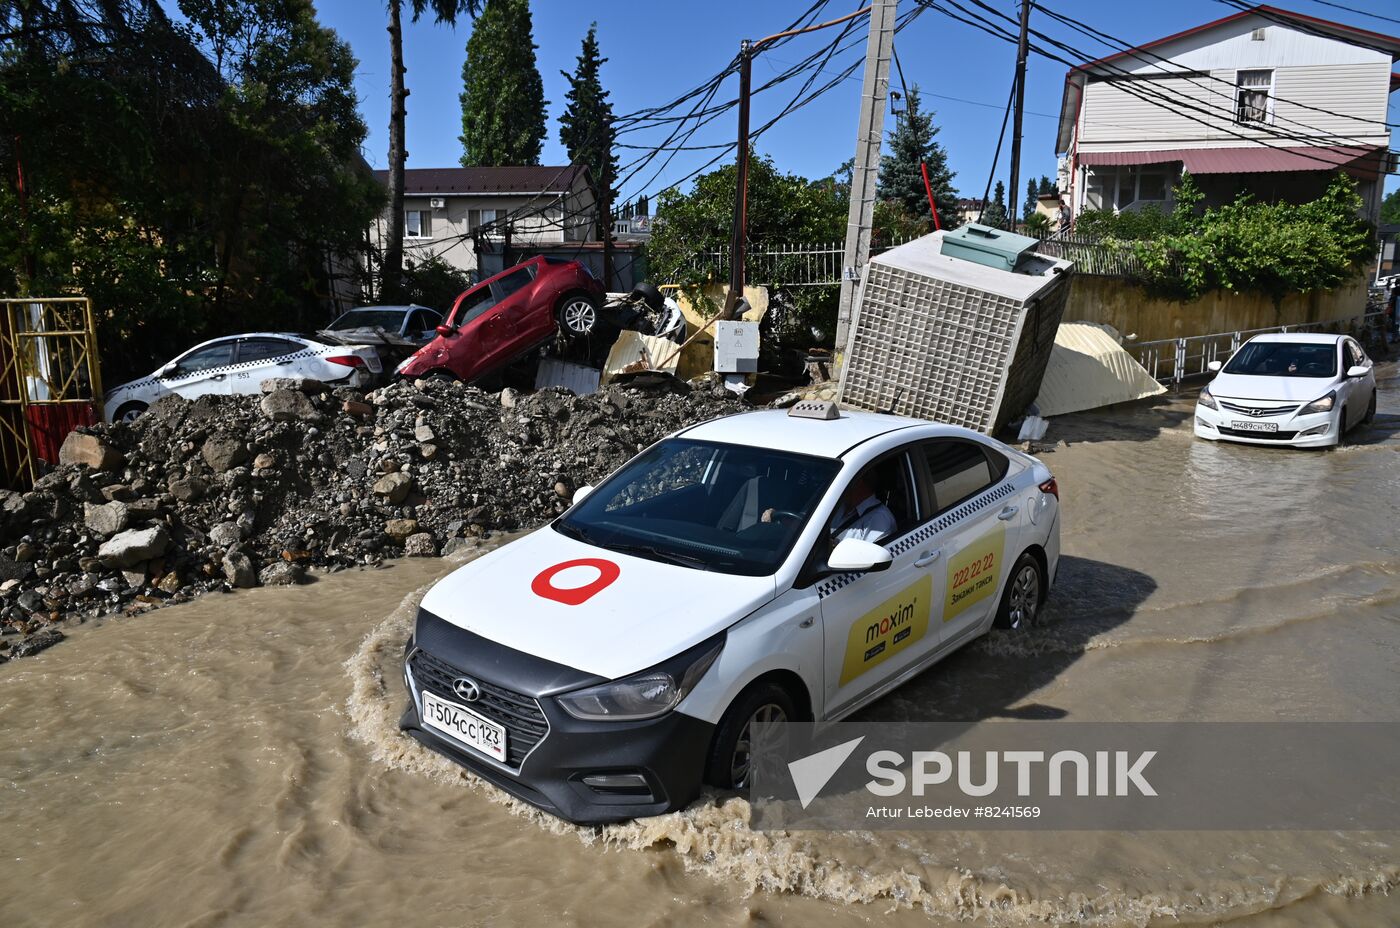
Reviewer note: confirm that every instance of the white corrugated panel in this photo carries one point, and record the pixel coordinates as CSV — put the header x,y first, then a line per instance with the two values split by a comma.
x,y
1089,369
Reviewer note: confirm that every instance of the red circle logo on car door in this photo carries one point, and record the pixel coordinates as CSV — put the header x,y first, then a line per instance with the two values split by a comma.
x,y
543,584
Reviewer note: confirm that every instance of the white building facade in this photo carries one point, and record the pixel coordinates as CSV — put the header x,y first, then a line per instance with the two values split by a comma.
x,y
448,210
1265,101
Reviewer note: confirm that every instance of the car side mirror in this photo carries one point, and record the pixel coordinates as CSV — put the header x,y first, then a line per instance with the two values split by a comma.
x,y
581,492
855,554
1356,370
170,370
1214,367
445,329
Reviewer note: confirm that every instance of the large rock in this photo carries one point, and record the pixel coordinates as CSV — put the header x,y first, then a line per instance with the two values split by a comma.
x,y
393,487
238,570
282,573
133,546
222,453
81,448
14,570
288,406
36,642
400,529
225,534
107,519
420,545
188,489
302,384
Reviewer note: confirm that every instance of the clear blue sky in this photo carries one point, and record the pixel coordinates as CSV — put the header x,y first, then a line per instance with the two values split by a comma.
x,y
658,50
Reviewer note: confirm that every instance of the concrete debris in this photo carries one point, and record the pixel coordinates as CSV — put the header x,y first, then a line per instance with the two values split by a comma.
x,y
238,491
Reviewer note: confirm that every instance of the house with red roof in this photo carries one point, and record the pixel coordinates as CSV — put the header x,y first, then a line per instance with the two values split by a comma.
x,y
1265,100
456,213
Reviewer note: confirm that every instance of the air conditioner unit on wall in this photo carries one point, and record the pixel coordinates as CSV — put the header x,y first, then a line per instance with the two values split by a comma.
x,y
438,202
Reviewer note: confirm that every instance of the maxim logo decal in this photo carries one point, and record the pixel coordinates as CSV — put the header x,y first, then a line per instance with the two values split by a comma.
x,y
603,574
887,629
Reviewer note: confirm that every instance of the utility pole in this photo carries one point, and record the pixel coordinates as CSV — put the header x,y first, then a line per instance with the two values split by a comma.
x,y
1014,194
739,232
869,133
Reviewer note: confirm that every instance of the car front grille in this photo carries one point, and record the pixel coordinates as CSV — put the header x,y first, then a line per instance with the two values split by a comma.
x,y
1248,433
1255,411
521,715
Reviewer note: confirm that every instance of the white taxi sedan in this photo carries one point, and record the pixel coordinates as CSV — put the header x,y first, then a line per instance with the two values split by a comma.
x,y
239,364
752,569
1301,389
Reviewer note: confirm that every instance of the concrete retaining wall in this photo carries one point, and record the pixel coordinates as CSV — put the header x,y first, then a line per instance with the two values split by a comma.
x,y
1131,310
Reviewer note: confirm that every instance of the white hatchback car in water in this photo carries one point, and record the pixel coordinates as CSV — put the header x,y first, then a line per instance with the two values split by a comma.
x,y
1301,389
752,569
239,364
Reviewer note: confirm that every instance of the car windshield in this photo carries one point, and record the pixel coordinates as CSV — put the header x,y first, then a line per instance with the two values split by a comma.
x,y
1285,359
704,505
389,319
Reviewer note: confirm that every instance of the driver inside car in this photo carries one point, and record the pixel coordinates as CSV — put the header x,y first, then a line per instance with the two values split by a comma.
x,y
860,514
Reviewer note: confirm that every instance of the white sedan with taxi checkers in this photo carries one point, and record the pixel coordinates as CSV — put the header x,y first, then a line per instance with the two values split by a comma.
x,y
753,569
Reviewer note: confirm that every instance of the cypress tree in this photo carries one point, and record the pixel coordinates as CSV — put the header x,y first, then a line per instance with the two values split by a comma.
x,y
503,104
586,126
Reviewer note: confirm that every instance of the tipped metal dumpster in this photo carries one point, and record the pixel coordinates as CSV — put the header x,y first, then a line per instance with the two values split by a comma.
x,y
956,327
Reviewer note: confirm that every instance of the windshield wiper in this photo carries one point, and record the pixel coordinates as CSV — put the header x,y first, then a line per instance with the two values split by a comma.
x,y
574,532
656,553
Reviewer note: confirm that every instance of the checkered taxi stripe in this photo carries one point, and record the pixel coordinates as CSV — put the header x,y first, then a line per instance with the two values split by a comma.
x,y
923,533
242,365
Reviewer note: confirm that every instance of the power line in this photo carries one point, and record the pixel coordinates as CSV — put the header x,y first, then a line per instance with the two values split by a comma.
x,y
1163,98
1188,74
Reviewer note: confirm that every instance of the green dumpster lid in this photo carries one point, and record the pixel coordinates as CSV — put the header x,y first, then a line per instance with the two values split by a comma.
x,y
996,248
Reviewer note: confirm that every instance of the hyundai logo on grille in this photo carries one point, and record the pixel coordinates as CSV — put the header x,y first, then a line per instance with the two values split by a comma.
x,y
1256,413
466,688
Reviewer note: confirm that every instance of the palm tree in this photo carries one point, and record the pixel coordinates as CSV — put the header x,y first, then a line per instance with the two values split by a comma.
x,y
444,11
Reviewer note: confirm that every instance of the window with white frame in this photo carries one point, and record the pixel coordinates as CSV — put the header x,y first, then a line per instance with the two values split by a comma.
x,y
482,217
417,223
1254,96
1127,186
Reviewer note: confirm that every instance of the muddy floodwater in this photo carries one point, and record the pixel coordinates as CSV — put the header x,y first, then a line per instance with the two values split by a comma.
x,y
236,761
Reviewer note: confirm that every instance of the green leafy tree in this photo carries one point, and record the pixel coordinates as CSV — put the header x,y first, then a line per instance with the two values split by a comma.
x,y
503,104
587,133
444,11
995,213
1390,208
782,209
901,176
1244,246
1032,194
191,179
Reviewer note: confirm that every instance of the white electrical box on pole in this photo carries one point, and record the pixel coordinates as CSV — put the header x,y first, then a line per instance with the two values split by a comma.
x,y
870,132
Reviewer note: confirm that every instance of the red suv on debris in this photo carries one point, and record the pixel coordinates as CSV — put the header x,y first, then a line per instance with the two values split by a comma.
x,y
506,316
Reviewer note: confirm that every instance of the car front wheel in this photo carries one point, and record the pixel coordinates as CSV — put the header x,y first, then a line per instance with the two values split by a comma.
x,y
577,315
750,722
1020,603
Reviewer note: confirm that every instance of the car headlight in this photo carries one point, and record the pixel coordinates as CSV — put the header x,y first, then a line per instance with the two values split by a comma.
x,y
1206,400
647,694
1323,404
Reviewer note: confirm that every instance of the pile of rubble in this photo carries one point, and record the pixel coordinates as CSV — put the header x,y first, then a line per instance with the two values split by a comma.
x,y
239,491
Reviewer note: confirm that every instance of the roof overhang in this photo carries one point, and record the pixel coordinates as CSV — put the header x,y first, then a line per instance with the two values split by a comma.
x,y
1354,159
